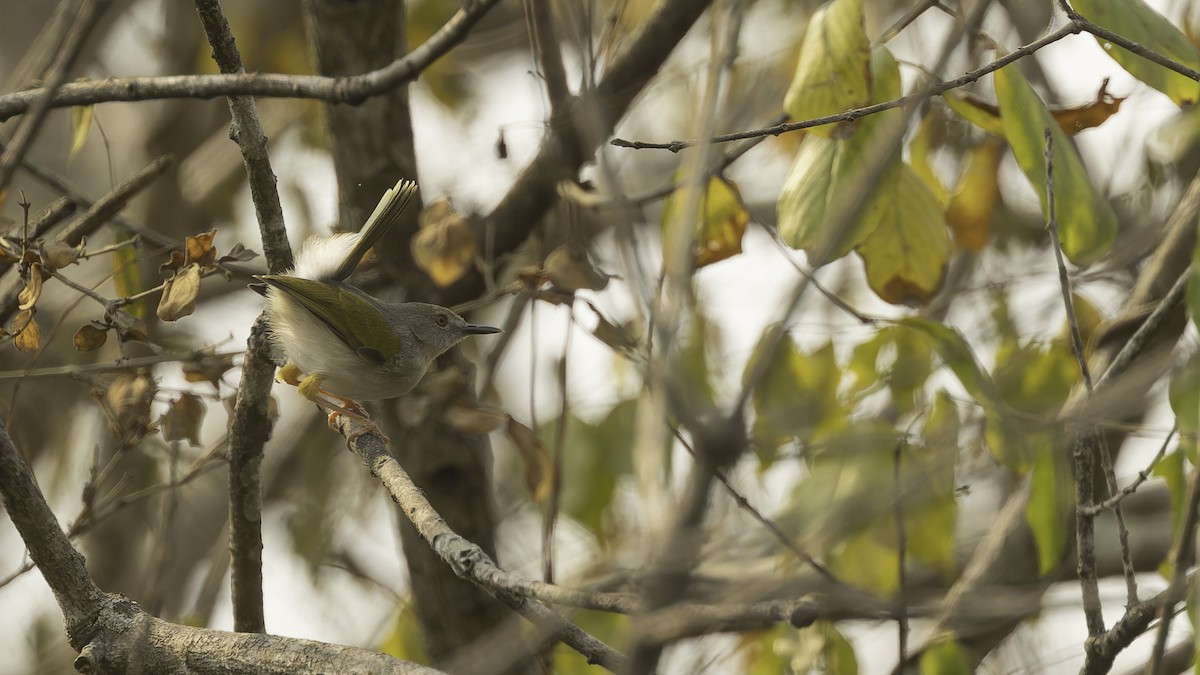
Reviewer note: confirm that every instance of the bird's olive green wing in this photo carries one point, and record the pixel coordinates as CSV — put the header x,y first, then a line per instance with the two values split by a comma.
x,y
390,206
351,317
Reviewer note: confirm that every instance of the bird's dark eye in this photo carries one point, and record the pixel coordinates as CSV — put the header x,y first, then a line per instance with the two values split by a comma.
x,y
440,321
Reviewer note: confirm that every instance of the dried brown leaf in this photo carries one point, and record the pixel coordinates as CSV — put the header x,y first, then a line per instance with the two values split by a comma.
x,y
33,288
90,336
58,254
179,295
570,270
210,369
182,420
539,471
445,246
29,338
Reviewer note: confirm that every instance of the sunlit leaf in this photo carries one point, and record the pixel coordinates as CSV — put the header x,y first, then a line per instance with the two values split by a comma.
x,y
908,248
832,73
445,246
969,213
723,219
1051,501
403,640
827,175
1071,119
81,125
1137,21
865,562
200,250
1086,222
822,648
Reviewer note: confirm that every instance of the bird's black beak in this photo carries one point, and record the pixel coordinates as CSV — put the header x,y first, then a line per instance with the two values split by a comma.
x,y
475,329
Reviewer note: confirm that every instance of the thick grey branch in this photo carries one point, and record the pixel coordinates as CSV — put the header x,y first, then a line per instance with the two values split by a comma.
x,y
352,90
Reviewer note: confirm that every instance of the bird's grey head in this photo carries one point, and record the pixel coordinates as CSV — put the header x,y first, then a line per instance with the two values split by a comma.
x,y
435,328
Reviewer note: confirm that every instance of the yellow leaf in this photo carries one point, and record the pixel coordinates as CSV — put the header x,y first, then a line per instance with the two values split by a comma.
x,y
445,247
833,71
907,250
1086,222
81,125
723,219
828,172
1070,119
969,213
127,274
200,249
920,152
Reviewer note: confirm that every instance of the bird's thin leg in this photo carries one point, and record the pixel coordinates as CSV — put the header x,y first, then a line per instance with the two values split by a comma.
x,y
338,405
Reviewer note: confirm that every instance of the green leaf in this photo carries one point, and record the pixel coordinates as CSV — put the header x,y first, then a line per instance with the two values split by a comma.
x,y
1086,222
945,657
1135,20
81,124
797,396
1171,469
971,110
908,248
1051,501
404,640
921,148
958,357
1184,394
827,173
832,73
824,649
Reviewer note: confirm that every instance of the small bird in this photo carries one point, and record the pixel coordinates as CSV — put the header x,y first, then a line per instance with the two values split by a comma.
x,y
340,342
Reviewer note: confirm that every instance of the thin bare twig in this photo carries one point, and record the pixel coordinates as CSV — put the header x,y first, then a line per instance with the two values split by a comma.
x,y
1142,475
72,44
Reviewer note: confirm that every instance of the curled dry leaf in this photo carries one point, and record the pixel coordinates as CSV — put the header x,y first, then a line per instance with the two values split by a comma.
x,y
613,335
33,287
182,420
128,400
570,270
179,294
445,247
28,337
58,254
173,264
200,250
539,471
209,369
91,335
238,253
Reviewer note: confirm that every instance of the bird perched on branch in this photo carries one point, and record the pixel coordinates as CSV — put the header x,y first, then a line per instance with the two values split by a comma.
x,y
342,344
